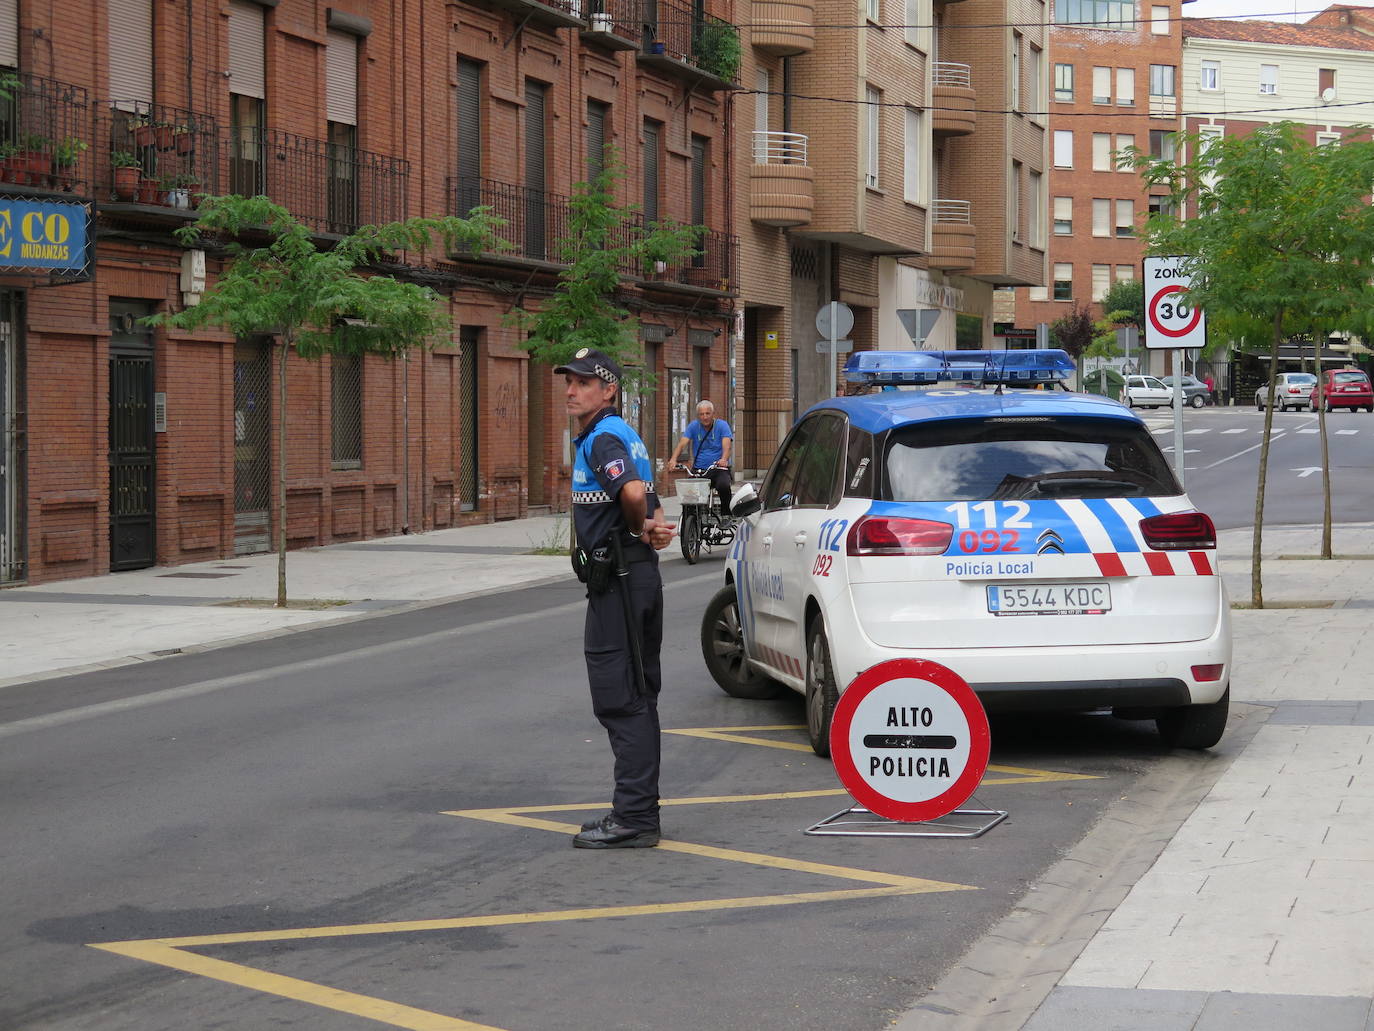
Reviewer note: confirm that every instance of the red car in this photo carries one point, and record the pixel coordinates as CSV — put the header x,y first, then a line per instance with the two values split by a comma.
x,y
1343,388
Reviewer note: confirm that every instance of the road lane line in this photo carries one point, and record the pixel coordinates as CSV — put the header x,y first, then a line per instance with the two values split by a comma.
x,y
1253,447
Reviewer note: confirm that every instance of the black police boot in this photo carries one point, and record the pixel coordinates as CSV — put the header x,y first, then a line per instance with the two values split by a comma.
x,y
595,821
608,832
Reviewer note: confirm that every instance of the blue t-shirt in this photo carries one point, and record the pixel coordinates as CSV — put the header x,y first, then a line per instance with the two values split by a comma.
x,y
706,446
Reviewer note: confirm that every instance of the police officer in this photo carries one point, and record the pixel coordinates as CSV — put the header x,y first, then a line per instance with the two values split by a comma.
x,y
618,523
710,440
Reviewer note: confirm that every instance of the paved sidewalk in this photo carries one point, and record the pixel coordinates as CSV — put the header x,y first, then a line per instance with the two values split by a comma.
x,y
1252,913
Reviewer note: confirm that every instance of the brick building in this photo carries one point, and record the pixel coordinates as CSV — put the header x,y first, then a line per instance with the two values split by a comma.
x,y
124,446
1115,85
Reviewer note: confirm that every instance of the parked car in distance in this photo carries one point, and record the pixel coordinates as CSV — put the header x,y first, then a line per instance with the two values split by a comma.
x,y
1147,392
1291,390
1343,388
1195,392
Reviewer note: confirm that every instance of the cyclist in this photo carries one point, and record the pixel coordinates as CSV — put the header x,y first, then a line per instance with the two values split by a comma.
x,y
711,441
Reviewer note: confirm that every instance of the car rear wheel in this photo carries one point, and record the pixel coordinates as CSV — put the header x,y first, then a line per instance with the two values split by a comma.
x,y
1196,401
1259,404
689,536
722,646
1195,726
821,692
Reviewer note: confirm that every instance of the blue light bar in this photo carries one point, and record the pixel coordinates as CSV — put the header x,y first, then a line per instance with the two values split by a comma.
x,y
926,367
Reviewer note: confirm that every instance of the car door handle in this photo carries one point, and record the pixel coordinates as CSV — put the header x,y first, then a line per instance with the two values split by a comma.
x,y
799,539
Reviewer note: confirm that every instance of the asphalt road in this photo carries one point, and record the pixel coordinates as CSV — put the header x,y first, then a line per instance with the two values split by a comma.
x,y
254,796
1221,462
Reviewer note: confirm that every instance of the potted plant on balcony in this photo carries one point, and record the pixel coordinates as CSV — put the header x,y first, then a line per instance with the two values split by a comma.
x,y
10,171
64,158
126,174
141,131
718,50
34,157
182,140
188,183
151,190
164,135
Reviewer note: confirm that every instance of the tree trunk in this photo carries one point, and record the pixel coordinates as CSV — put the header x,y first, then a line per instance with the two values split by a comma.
x,y
281,472
1326,452
1256,584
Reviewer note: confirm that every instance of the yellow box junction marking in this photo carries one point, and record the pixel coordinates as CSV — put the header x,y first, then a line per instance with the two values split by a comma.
x,y
745,736
171,952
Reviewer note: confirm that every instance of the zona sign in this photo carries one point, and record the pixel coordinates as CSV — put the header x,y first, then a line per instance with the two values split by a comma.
x,y
1170,319
910,740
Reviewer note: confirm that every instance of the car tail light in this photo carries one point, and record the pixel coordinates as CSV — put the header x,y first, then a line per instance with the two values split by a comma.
x,y
1208,674
892,535
1179,531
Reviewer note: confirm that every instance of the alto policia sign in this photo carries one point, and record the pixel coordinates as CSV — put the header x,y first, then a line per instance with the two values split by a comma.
x,y
42,236
910,740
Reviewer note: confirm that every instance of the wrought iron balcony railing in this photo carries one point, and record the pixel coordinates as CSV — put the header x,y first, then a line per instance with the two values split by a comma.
x,y
535,220
157,155
678,37
45,134
714,266
780,148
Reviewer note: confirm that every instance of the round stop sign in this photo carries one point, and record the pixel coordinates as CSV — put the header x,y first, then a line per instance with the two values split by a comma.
x,y
910,740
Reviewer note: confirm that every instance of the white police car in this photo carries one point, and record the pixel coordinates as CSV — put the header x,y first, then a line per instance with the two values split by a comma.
x,y
1035,542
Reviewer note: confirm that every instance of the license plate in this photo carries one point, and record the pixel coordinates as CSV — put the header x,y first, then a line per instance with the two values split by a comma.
x,y
1090,599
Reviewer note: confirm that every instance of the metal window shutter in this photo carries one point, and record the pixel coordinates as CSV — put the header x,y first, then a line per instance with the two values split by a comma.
x,y
596,138
698,181
247,47
341,77
651,171
9,33
131,51
469,118
534,136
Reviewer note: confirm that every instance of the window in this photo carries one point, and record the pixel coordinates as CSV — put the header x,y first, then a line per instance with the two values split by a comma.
x,y
1036,212
1100,14
1102,85
245,145
701,163
1102,279
1014,216
913,147
873,10
1102,215
1209,78
1161,80
1035,80
1102,152
469,135
1124,143
1125,217
1063,281
1162,144
1161,206
1326,80
1159,20
1063,82
1328,139
1125,273
131,47
1269,78
1207,137
342,190
919,19
1125,87
1063,216
653,152
1015,76
1063,148
1038,293
875,99
346,411
598,120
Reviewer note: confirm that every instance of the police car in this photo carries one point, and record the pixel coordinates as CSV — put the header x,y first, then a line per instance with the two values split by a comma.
x,y
1034,541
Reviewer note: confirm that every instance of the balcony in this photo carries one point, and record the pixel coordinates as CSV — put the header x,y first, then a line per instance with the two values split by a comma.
x,y
784,28
782,186
952,236
698,49
45,135
535,221
954,113
712,271
614,24
158,161
554,13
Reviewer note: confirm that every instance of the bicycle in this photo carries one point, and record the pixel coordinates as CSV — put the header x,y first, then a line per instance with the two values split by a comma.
x,y
701,521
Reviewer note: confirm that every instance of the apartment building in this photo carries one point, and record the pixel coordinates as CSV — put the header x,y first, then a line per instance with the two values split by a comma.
x,y
125,446
897,148
1115,86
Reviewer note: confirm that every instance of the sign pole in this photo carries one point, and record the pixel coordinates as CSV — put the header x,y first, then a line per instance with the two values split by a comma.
x,y
1178,415
833,320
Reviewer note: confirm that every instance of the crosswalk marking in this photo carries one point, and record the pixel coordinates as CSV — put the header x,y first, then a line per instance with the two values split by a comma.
x,y
1235,429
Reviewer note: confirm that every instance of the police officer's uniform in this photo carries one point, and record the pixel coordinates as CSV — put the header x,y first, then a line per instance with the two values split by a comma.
x,y
609,454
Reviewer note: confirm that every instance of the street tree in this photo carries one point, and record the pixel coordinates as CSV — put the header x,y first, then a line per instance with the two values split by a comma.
x,y
1275,230
316,300
602,241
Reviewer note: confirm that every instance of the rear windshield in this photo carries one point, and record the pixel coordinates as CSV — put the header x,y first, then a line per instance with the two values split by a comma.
x,y
1350,377
1301,377
1040,457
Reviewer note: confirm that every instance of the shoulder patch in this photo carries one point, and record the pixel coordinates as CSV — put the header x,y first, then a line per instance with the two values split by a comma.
x,y
615,468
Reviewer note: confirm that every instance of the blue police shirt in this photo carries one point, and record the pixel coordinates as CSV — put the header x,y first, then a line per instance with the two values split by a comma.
x,y
706,446
609,455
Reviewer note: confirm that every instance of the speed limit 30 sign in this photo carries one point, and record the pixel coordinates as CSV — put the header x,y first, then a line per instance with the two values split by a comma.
x,y
1170,318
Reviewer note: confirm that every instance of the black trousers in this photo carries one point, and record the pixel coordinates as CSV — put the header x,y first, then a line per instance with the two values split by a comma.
x,y
629,716
721,480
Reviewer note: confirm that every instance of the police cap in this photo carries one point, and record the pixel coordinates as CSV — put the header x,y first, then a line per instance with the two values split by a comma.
x,y
588,362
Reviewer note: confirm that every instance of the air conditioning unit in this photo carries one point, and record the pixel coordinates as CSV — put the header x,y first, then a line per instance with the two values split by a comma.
x,y
1328,94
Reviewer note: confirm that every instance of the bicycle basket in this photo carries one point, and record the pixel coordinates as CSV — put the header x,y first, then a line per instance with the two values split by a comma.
x,y
694,490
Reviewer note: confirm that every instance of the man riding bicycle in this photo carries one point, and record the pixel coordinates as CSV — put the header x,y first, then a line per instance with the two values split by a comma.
x,y
710,440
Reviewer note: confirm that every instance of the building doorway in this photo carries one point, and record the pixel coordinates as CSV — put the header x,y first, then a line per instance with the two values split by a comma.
x,y
252,447
133,470
11,441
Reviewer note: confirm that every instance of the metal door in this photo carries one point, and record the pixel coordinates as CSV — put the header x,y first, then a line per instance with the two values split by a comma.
x,y
133,487
11,443
252,447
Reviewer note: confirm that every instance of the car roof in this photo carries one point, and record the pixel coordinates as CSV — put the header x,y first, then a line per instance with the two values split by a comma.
x,y
879,412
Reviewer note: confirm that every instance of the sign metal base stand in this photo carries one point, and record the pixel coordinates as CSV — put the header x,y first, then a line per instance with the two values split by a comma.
x,y
961,823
